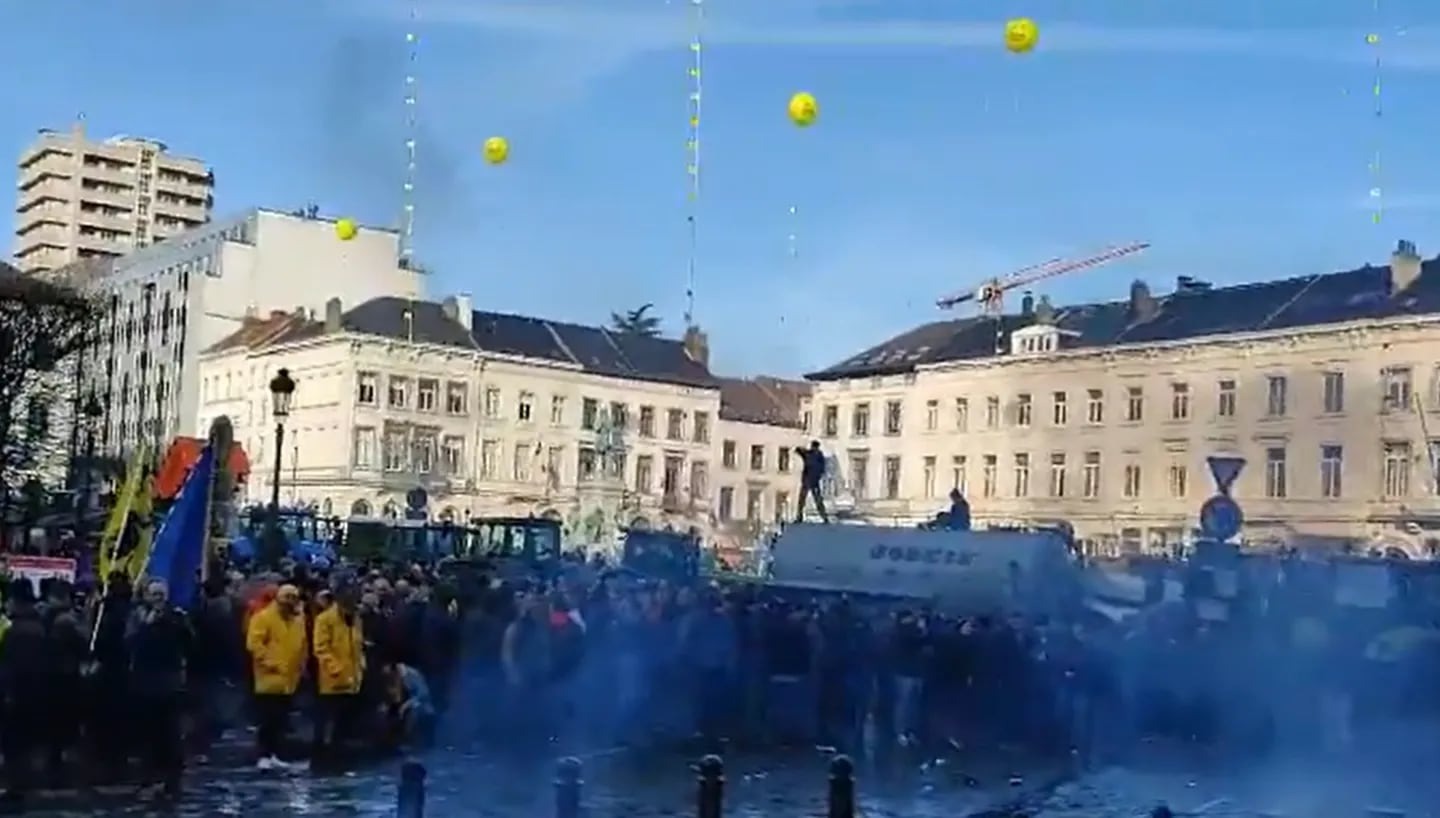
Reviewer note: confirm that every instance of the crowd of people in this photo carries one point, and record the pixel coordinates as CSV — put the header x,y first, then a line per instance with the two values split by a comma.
x,y
587,656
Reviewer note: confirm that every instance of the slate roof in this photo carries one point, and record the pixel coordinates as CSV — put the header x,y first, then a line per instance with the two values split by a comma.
x,y
1187,313
597,350
768,401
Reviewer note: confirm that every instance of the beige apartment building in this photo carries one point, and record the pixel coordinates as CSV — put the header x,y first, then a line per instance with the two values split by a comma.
x,y
758,479
80,198
1103,415
491,414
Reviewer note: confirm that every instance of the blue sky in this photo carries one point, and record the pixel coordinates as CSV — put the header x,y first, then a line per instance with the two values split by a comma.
x,y
1236,137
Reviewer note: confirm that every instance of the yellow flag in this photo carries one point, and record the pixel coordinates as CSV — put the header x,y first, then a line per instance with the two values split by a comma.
x,y
115,526
143,511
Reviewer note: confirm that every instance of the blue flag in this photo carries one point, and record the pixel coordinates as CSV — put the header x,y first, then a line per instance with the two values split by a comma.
x,y
179,548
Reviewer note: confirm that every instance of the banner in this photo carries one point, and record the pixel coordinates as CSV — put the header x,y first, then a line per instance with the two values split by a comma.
x,y
112,539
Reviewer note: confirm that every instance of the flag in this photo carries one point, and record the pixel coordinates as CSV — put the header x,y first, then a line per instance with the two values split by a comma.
x,y
178,550
113,538
132,558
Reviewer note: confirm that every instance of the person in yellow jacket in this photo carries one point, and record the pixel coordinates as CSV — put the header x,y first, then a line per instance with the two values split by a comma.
x,y
275,639
339,642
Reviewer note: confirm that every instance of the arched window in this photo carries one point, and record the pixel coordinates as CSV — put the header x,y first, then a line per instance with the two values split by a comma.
x,y
447,515
327,507
392,511
360,508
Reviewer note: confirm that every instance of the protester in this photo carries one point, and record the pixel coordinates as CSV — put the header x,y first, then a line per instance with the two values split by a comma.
x,y
276,641
339,642
159,639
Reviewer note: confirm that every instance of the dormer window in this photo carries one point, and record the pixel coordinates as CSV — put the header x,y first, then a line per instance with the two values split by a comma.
x,y
1037,339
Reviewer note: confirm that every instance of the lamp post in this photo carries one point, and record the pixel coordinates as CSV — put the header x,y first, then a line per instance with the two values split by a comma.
x,y
90,416
282,390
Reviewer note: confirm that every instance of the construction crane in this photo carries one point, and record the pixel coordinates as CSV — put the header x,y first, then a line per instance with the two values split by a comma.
x,y
990,295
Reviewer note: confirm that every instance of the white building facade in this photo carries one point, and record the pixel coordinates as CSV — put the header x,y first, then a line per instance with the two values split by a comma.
x,y
758,479
1104,415
167,302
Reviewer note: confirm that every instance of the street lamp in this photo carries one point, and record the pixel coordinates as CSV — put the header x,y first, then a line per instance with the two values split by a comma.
x,y
282,390
90,417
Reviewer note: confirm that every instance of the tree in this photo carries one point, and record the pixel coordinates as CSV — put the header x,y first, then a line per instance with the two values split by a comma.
x,y
44,328
638,321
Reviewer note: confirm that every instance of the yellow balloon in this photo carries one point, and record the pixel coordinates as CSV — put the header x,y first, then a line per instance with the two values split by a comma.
x,y
1021,35
346,229
804,110
496,150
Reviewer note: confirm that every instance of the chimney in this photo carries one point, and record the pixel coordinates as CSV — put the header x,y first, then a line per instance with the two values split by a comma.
x,y
449,308
465,311
1143,305
1027,304
332,315
697,345
1404,267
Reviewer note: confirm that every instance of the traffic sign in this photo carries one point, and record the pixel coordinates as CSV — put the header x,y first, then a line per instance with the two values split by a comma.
x,y
1221,517
1225,469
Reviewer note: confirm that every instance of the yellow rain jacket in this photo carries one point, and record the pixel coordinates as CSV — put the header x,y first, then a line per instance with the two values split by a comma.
x,y
277,650
339,652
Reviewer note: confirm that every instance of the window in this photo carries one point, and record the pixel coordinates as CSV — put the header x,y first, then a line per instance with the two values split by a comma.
x,y
1091,475
398,395
588,464
1275,472
782,507
1275,388
557,410
702,427
1022,410
1179,480
427,395
521,467
725,509
1332,464
1132,480
1226,407
782,460
1022,475
619,415
699,480
452,456
589,414
962,414
1134,404
1057,474
927,477
830,425
992,412
492,402
932,415
455,398
892,417
1397,470
490,459
754,504
1059,409
554,466
959,480
727,454
1179,401
363,455
675,424
860,420
397,450
859,474
1396,385
1334,393
423,455
805,418
892,477
366,388
1094,406
647,421
645,473
757,458
987,476
615,466
525,407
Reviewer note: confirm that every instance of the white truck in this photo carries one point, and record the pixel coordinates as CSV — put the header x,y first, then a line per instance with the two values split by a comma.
x,y
967,572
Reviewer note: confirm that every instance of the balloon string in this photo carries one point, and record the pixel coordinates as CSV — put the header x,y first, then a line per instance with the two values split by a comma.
x,y
1377,190
793,239
692,150
407,216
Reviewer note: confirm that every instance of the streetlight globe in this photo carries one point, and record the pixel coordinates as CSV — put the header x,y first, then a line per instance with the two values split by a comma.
x,y
282,390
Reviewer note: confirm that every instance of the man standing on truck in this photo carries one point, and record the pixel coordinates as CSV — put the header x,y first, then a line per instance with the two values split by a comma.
x,y
812,471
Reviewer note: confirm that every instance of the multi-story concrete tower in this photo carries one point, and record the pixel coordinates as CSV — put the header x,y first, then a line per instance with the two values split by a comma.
x,y
80,198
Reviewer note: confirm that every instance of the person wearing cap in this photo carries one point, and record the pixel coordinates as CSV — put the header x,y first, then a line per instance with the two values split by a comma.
x,y
275,639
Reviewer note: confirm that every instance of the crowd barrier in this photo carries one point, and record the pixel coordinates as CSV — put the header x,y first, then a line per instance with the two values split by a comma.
x,y
570,786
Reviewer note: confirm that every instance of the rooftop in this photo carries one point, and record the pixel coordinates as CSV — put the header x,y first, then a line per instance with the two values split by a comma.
x,y
595,350
763,400
1193,311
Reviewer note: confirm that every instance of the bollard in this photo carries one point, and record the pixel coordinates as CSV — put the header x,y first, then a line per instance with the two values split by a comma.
x,y
710,789
567,788
842,787
410,798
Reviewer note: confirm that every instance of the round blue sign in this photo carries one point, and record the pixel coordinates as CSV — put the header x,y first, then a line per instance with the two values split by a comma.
x,y
1221,518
